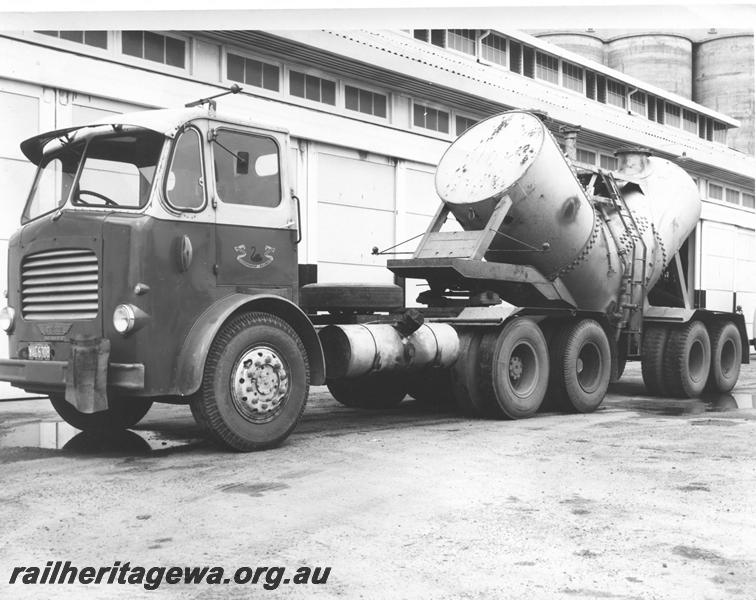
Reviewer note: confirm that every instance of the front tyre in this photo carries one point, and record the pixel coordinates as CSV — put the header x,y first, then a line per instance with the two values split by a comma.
x,y
255,383
123,412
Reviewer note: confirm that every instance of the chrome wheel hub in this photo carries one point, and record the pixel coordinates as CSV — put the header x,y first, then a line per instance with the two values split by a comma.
x,y
515,368
260,383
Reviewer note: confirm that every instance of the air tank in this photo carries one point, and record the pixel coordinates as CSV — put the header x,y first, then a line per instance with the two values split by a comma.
x,y
552,223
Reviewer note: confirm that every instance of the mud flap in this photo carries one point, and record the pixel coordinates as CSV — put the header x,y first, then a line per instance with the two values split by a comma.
x,y
87,377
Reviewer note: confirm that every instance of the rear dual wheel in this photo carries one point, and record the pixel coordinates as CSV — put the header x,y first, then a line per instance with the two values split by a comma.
x,y
502,374
581,364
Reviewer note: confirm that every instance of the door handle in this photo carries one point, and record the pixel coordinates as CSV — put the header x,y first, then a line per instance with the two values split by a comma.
x,y
299,217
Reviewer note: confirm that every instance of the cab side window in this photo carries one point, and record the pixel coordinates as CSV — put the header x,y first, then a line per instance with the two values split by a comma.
x,y
184,186
246,169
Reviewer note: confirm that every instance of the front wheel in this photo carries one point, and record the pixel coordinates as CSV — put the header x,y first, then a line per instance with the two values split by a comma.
x,y
255,383
123,412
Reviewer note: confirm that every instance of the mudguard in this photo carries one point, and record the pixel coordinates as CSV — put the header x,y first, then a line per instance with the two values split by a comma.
x,y
191,359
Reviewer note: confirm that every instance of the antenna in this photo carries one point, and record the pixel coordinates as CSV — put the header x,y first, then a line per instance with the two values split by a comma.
x,y
210,100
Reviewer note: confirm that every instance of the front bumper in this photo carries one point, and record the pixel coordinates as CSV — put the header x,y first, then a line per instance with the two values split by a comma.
x,y
52,375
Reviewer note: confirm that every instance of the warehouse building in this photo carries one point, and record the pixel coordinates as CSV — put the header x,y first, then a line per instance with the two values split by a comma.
x,y
371,112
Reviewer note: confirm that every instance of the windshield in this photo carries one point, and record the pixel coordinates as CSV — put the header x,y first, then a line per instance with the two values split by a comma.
x,y
117,172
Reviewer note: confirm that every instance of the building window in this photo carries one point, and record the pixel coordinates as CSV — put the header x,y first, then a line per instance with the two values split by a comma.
x,y
638,103
690,121
494,49
547,67
748,200
601,88
590,85
462,40
437,37
660,111
312,88
715,191
615,93
98,39
732,196
515,57
586,156
528,62
253,72
153,46
720,133
431,118
463,124
572,77
364,101
609,162
672,115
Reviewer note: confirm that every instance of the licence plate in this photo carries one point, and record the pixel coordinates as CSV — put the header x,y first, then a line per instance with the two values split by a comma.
x,y
39,352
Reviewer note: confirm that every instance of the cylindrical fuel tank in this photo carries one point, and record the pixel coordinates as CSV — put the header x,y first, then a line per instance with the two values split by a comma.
x,y
552,223
354,350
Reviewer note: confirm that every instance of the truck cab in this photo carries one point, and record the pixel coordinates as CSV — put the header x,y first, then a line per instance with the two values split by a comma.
x,y
146,238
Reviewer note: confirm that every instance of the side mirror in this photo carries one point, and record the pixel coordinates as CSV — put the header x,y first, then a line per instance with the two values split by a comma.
x,y
242,163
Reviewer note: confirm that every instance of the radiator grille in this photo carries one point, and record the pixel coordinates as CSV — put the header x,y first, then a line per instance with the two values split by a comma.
x,y
59,285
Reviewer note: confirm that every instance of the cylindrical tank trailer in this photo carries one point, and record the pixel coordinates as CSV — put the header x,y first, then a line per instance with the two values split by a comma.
x,y
602,239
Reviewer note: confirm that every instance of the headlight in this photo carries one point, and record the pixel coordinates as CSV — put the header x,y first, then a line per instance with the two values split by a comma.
x,y
7,317
124,318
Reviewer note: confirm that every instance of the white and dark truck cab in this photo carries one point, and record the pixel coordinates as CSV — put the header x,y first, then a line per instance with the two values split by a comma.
x,y
157,261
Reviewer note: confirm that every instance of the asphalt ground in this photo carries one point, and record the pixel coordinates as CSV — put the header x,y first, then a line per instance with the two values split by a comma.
x,y
645,498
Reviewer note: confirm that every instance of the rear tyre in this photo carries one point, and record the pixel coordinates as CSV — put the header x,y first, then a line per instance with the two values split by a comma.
x,y
652,359
581,363
123,412
726,354
255,383
467,388
515,369
431,387
372,391
687,360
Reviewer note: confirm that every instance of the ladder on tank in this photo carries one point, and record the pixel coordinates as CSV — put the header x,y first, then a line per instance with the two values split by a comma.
x,y
633,292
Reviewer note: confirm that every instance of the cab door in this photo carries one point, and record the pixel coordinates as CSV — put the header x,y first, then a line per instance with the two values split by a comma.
x,y
255,216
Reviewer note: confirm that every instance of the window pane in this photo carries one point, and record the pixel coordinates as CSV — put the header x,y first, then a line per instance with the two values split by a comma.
x,y
431,118
638,103
590,85
547,67
615,93
732,196
183,185
235,67
296,84
329,92
572,77
72,36
380,105
154,47
586,156
420,34
255,181
609,162
366,102
515,57
131,42
672,115
494,48
462,40
253,74
351,98
419,115
96,38
462,124
270,77
715,191
748,200
438,37
443,121
312,88
174,52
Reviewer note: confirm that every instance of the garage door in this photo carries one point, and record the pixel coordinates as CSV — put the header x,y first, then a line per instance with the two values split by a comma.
x,y
728,268
356,211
